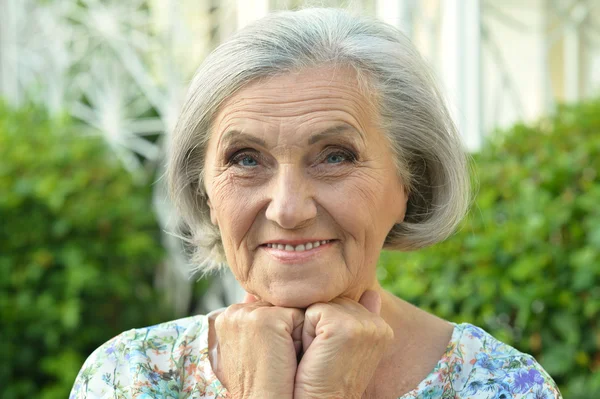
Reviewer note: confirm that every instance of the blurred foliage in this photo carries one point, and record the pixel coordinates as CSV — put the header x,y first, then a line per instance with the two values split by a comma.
x,y
525,264
79,245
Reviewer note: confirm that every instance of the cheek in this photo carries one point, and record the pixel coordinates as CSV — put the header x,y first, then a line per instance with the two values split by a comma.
x,y
355,205
235,206
357,200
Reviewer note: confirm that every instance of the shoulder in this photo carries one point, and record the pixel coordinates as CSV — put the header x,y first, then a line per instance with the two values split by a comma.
x,y
157,361
480,366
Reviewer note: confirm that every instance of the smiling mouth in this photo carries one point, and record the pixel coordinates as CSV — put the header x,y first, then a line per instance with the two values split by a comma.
x,y
297,248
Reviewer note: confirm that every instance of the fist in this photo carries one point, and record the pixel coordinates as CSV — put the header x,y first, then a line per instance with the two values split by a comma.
x,y
343,343
258,348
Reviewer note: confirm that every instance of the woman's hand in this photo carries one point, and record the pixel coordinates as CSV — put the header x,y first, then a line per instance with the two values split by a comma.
x,y
343,343
258,348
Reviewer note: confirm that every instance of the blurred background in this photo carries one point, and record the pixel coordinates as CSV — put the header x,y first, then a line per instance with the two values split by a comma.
x,y
89,90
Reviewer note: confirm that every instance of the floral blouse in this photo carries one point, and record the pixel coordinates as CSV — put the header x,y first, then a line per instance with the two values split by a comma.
x,y
170,360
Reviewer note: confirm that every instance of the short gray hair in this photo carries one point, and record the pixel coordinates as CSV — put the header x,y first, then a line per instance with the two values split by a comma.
x,y
431,160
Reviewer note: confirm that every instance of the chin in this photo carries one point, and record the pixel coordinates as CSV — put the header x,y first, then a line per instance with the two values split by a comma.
x,y
295,297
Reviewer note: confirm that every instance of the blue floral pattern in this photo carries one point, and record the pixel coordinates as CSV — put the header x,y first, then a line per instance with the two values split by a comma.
x,y
170,360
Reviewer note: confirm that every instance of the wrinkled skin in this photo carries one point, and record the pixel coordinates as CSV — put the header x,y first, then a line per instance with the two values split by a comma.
x,y
258,349
343,187
299,158
343,343
340,344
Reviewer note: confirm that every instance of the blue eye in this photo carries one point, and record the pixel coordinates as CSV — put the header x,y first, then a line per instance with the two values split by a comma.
x,y
336,157
340,155
246,160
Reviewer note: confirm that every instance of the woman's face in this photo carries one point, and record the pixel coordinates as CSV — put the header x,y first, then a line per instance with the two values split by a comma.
x,y
303,187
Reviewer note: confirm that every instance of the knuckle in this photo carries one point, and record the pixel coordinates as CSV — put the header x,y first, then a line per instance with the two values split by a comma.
x,y
382,329
372,330
380,324
254,317
263,317
389,334
242,314
220,322
298,319
231,310
354,330
296,312
317,307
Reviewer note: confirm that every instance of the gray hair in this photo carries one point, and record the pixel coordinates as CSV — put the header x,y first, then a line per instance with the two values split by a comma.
x,y
430,158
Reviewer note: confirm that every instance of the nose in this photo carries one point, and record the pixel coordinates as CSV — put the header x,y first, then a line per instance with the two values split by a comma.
x,y
292,204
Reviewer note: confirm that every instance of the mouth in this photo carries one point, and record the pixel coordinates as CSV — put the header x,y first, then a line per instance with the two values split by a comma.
x,y
297,252
292,247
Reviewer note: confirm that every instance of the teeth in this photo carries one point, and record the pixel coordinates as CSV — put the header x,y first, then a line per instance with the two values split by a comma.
x,y
301,247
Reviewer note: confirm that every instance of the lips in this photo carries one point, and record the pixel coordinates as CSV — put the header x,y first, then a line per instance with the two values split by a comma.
x,y
298,247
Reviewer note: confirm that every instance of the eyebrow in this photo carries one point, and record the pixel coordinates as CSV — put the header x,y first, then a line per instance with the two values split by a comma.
x,y
329,132
236,134
333,131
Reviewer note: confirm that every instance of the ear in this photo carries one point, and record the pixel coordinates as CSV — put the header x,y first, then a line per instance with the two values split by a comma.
x,y
213,214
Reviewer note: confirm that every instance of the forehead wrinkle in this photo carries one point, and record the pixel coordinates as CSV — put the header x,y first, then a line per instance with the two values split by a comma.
x,y
336,131
234,134
271,95
289,108
230,128
221,136
263,103
344,122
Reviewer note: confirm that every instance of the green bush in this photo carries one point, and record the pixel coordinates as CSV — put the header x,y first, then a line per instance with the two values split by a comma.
x,y
78,248
525,264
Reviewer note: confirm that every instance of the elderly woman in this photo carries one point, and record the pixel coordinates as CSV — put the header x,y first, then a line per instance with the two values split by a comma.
x,y
307,143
